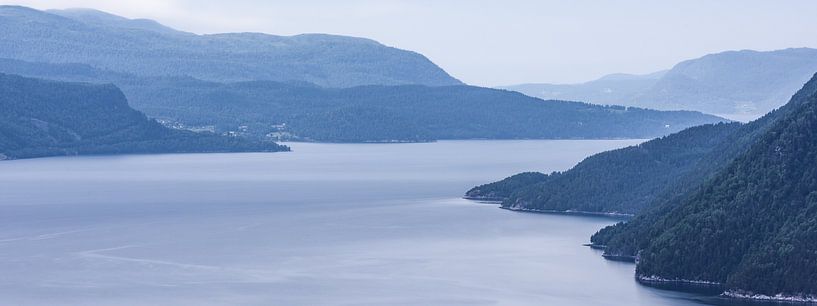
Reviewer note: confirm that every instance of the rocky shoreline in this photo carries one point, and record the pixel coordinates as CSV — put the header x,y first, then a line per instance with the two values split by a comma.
x,y
745,295
716,288
684,285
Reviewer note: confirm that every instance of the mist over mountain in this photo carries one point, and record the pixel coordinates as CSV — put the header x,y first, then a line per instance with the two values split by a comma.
x,y
618,89
147,48
739,84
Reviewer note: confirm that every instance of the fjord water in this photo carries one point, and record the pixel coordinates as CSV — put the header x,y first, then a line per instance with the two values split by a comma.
x,y
327,224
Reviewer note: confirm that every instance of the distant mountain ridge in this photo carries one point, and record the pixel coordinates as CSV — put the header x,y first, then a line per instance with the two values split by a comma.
x,y
305,87
615,89
304,111
745,84
146,48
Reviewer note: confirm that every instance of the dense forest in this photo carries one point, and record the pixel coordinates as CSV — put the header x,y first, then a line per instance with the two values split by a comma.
x,y
621,181
47,118
752,227
626,239
304,111
501,190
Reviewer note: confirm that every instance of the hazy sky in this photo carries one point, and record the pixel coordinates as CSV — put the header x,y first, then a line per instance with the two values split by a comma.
x,y
505,42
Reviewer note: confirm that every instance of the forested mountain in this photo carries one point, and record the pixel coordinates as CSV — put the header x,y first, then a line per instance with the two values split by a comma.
x,y
735,83
631,179
146,48
502,190
303,111
48,118
622,181
729,206
751,227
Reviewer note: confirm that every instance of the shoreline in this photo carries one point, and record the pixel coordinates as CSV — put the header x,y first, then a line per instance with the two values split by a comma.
x,y
485,200
682,285
713,289
779,298
571,212
717,289
498,200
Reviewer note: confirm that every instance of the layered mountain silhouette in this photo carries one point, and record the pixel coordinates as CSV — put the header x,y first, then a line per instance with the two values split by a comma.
x,y
738,84
306,87
147,48
375,113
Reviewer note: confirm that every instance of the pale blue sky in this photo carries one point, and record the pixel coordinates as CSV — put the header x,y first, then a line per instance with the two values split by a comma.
x,y
505,42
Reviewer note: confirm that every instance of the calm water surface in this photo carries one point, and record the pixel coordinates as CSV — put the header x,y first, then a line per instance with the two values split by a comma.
x,y
328,224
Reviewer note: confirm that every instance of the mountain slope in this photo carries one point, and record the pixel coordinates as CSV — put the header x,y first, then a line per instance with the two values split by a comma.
x,y
733,82
751,227
631,179
648,177
146,48
745,84
379,113
740,217
297,110
47,118
627,238
622,181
